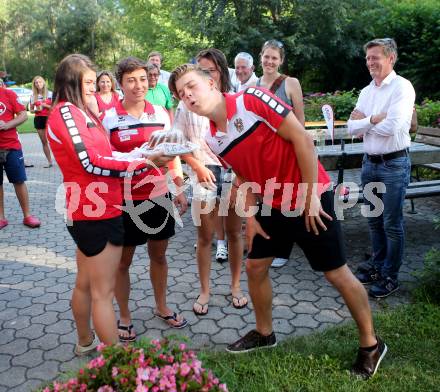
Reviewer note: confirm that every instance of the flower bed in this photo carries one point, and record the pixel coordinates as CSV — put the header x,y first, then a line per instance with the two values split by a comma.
x,y
165,365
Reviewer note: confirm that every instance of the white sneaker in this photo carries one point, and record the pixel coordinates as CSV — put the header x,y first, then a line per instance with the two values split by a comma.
x,y
279,262
84,350
222,254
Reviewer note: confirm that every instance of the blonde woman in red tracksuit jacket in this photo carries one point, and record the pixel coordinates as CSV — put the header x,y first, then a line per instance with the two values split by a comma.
x,y
92,173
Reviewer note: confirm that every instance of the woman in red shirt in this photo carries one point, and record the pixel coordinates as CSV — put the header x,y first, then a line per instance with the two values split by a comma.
x,y
91,174
40,105
106,96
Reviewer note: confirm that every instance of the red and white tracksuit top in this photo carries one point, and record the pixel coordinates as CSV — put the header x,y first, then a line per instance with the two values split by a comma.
x,y
91,172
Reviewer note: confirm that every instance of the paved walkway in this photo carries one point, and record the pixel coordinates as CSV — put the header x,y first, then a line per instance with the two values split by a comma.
x,y
37,274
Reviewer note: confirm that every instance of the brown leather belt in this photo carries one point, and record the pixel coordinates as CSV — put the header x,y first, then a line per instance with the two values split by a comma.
x,y
386,157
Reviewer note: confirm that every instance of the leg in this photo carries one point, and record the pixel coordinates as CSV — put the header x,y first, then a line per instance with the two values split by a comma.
x,y
23,197
81,300
260,290
395,175
102,270
46,149
122,288
235,246
375,224
205,233
159,277
2,201
356,299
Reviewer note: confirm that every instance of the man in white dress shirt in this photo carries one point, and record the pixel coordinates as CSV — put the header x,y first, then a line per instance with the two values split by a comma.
x,y
382,117
156,58
244,72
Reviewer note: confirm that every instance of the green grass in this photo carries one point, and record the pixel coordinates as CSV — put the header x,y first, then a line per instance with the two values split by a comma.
x,y
320,362
28,125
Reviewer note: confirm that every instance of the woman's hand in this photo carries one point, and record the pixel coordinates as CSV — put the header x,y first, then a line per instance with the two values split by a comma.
x,y
205,177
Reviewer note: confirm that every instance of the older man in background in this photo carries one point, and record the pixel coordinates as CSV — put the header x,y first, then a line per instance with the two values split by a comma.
x,y
156,58
244,71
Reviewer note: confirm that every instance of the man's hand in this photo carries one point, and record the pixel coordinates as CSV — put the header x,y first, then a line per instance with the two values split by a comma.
x,y
377,118
357,115
181,203
313,212
206,177
252,229
3,126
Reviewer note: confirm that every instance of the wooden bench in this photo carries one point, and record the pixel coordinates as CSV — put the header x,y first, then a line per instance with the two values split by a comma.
x,y
429,136
415,190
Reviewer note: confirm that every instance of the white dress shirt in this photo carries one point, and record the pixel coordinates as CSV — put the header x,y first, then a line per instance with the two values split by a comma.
x,y
395,97
252,81
163,77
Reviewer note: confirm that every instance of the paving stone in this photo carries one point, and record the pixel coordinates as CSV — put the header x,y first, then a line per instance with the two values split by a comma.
x,y
15,347
34,331
60,327
6,335
282,326
18,323
226,336
47,370
305,307
63,352
48,298
230,320
328,316
327,303
10,295
46,342
13,377
59,306
305,295
47,318
29,385
29,359
5,362
304,320
205,326
33,310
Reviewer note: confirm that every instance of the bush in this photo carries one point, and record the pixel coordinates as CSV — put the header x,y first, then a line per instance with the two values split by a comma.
x,y
343,103
164,365
429,278
428,113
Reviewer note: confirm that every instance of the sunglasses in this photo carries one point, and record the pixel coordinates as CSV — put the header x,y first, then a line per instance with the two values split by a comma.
x,y
385,41
274,42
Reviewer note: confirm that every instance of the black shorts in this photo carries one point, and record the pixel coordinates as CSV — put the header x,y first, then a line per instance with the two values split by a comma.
x,y
91,236
156,223
40,122
325,252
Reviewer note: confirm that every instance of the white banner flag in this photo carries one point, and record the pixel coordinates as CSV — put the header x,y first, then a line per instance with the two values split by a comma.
x,y
327,112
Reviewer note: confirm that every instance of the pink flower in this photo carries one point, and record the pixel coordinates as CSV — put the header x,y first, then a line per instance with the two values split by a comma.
x,y
142,374
182,346
105,388
184,369
115,371
141,388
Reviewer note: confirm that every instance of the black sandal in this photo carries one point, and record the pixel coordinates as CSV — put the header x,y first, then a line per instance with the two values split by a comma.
x,y
126,328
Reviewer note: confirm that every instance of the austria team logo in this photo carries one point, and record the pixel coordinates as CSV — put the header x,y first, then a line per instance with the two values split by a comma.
x,y
2,108
238,123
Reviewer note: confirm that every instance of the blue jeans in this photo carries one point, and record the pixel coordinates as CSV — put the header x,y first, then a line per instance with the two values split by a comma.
x,y
387,230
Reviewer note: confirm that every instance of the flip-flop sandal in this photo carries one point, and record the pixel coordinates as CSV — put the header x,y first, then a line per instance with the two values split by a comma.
x,y
238,299
126,328
202,313
169,319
